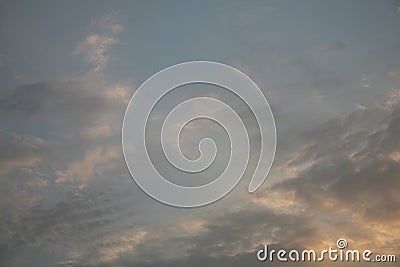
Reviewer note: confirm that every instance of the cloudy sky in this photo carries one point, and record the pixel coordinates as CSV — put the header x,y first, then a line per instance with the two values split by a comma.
x,y
330,71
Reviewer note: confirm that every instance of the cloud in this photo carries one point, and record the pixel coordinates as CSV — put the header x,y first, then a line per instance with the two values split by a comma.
x,y
59,99
94,163
88,105
81,221
84,117
333,170
348,169
342,183
393,100
114,246
37,182
329,177
108,23
74,140
98,130
96,46
19,150
230,239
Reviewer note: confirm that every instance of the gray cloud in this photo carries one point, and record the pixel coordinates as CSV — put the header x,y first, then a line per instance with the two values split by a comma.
x,y
77,222
79,100
66,197
228,239
19,150
343,156
350,167
60,121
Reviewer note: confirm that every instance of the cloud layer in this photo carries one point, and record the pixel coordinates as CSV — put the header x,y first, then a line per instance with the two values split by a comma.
x,y
66,196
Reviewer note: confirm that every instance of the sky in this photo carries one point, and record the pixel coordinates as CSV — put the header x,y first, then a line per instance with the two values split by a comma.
x,y
329,69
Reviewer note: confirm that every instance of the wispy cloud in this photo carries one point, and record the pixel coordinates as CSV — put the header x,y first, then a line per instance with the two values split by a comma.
x,y
94,162
96,49
19,150
96,46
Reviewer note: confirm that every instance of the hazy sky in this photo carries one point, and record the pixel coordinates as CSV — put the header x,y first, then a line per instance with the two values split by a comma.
x,y
329,69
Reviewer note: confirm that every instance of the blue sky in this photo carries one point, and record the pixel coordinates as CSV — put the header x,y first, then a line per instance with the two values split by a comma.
x,y
330,71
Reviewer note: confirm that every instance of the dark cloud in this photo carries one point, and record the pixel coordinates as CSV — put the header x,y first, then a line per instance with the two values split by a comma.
x,y
76,121
79,100
65,193
229,240
349,159
59,121
19,150
353,163
77,222
223,241
352,169
244,229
